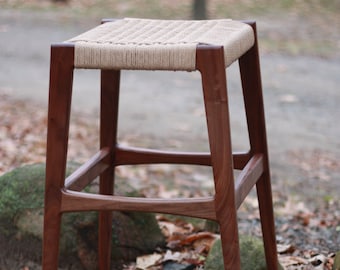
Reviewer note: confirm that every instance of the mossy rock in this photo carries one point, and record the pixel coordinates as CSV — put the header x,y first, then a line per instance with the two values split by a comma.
x,y
336,265
21,221
252,255
22,195
133,234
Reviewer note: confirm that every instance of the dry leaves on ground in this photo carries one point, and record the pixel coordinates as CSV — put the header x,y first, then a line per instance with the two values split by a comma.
x,y
22,141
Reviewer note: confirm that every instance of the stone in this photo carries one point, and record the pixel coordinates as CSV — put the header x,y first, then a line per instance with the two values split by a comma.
x,y
21,223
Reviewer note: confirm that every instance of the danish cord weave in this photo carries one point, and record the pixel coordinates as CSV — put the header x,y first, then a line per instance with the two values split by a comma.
x,y
158,44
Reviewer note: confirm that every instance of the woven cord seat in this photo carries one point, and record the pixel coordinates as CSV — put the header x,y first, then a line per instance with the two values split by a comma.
x,y
141,44
158,44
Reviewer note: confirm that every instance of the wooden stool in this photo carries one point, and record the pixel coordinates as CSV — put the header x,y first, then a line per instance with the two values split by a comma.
x,y
140,44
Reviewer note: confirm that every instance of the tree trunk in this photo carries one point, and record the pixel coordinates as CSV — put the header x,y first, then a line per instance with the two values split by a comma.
x,y
199,10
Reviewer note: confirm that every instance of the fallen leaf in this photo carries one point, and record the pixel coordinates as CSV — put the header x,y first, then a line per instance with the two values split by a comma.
x,y
172,256
318,261
146,261
204,239
281,249
292,260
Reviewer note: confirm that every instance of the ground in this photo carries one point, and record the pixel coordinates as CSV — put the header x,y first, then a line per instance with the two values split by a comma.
x,y
299,46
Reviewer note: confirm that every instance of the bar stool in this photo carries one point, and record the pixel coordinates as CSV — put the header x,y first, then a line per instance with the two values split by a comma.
x,y
141,44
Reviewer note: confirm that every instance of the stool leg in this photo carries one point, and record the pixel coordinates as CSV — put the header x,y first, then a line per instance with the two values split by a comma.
x,y
108,138
253,100
211,65
61,78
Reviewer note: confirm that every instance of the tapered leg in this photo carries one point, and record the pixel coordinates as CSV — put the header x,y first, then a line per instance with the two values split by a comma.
x,y
253,99
108,138
61,78
211,64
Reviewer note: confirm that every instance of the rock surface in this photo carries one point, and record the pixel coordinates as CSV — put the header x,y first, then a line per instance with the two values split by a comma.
x,y
252,255
21,224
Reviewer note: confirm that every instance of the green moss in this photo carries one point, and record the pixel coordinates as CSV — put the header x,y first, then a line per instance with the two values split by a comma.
x,y
252,255
21,189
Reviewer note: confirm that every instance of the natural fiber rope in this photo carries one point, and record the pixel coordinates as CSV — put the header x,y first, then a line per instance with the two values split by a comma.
x,y
158,44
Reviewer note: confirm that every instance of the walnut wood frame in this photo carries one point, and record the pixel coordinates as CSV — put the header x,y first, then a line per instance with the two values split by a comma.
x,y
64,195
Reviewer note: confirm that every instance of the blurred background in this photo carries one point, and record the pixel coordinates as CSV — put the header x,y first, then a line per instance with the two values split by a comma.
x,y
300,59
299,45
